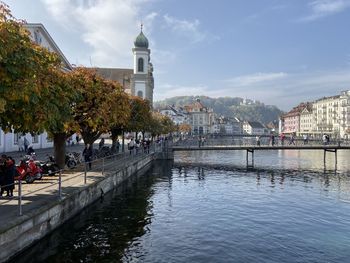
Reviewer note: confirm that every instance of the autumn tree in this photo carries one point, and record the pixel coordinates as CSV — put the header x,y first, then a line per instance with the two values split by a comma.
x,y
140,115
161,124
23,67
102,103
184,128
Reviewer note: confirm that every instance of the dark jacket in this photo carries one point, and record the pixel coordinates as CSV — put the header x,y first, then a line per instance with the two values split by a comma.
x,y
87,154
7,175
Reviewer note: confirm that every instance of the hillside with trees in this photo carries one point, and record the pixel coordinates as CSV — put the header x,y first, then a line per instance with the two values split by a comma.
x,y
229,106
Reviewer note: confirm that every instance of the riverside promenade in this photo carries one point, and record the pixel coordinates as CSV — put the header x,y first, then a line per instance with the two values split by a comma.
x,y
48,203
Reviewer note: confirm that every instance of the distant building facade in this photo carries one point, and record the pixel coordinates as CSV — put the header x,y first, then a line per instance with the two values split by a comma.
x,y
177,115
327,115
201,118
307,120
253,128
291,120
226,126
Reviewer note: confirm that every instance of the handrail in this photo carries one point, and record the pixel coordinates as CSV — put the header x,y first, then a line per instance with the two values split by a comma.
x,y
105,163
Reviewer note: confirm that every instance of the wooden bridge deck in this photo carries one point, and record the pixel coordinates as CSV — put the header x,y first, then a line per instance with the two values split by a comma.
x,y
263,147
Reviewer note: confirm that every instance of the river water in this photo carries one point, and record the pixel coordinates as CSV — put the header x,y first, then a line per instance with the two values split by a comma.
x,y
208,207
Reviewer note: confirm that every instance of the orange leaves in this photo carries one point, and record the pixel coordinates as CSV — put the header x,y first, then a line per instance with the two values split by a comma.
x,y
102,104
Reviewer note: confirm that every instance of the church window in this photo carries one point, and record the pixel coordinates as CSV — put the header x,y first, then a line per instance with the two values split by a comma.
x,y
140,94
140,65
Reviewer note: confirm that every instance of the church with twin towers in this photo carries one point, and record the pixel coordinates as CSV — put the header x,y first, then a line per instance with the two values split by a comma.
x,y
139,80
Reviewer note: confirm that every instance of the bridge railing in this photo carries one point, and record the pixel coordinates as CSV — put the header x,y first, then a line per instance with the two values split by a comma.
x,y
251,141
55,184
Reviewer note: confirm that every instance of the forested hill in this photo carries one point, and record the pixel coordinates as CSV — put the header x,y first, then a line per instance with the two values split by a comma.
x,y
230,107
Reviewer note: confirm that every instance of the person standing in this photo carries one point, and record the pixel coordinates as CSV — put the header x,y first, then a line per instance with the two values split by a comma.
x,y
26,144
272,138
282,137
257,138
2,174
131,145
101,143
10,176
117,145
305,139
87,153
20,144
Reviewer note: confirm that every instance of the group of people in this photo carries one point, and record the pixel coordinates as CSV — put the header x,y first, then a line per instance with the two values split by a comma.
x,y
23,144
135,145
201,141
70,141
291,139
7,175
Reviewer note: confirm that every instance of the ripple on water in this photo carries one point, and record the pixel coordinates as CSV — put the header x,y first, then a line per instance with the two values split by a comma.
x,y
285,210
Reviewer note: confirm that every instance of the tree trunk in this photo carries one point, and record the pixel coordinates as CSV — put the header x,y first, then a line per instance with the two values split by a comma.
x,y
90,137
59,143
123,141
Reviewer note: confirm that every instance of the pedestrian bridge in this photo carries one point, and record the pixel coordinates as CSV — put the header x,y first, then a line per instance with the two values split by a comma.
x,y
213,145
262,147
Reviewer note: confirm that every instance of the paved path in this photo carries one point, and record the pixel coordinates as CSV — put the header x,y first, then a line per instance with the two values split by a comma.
x,y
45,191
42,153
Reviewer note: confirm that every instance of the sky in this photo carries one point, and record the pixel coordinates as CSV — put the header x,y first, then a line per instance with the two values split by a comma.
x,y
280,52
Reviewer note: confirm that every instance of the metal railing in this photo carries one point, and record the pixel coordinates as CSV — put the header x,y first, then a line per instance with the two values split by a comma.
x,y
264,141
99,167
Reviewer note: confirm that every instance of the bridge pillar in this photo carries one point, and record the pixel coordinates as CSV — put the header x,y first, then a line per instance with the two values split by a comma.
x,y
335,157
252,157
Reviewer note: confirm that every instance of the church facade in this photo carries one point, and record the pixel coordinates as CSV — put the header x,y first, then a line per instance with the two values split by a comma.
x,y
138,81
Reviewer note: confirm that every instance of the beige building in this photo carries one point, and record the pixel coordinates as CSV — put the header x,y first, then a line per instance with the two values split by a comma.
x,y
201,118
306,120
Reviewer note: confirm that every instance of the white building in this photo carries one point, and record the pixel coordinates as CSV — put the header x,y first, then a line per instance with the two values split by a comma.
x,y
332,115
177,115
9,141
253,128
226,126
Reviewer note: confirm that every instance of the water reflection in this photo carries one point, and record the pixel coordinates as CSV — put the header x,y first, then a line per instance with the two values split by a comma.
x,y
211,208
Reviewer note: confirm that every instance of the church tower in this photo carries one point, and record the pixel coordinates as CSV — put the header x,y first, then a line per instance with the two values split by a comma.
x,y
143,82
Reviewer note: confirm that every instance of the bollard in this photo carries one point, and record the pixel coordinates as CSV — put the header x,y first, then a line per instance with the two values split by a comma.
x,y
103,166
85,172
60,184
20,197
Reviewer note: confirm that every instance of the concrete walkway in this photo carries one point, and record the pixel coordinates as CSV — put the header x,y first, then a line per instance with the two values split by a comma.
x,y
44,193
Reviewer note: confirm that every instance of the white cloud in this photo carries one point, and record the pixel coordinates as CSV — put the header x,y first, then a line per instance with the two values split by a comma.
x,y
189,29
108,26
287,90
323,8
280,89
256,78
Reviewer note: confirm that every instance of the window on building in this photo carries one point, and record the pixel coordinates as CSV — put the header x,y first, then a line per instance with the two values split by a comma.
x,y
140,65
140,94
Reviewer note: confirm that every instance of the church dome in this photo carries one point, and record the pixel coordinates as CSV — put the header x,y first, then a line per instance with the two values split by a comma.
x,y
141,41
